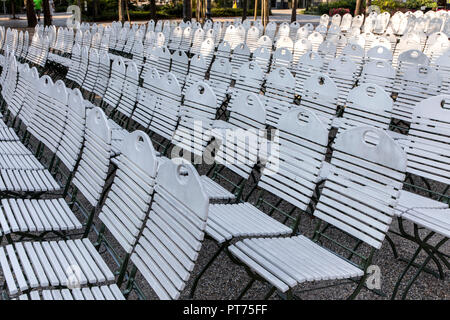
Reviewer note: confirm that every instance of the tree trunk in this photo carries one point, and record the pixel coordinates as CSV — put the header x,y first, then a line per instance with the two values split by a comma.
x,y
208,9
187,10
368,4
294,11
128,12
121,15
244,10
31,14
153,9
266,11
13,9
198,10
95,8
358,7
47,15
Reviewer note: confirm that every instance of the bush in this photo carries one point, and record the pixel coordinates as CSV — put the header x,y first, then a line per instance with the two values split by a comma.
x,y
394,5
167,12
342,4
340,11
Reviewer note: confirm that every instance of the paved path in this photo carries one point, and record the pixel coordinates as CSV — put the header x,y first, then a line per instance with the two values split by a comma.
x,y
59,19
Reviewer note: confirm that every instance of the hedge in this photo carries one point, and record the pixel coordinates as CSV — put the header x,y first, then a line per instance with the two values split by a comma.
x,y
168,14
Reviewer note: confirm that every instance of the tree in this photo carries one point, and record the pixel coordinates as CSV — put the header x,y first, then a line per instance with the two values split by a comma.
x,y
368,4
358,7
31,14
187,10
208,9
47,15
244,10
121,11
153,9
294,11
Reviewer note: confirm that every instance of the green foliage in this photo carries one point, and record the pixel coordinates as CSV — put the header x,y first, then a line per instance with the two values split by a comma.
x,y
416,4
108,10
394,5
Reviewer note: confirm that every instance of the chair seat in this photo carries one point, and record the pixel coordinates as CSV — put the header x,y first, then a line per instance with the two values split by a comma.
x,y
437,220
215,191
20,180
111,292
408,201
36,215
8,134
117,135
286,262
30,265
226,221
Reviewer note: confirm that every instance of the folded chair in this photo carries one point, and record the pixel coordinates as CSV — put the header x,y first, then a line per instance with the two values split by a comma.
x,y
358,198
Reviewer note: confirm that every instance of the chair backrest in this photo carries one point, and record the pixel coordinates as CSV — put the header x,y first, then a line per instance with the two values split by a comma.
x,y
73,135
367,105
129,90
363,185
220,77
115,83
172,238
101,82
279,95
296,156
127,205
309,63
197,113
379,72
239,145
250,77
301,46
49,115
180,66
92,170
320,95
427,147
92,71
282,57
167,106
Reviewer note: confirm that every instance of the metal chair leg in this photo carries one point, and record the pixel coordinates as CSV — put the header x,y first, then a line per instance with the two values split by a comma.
x,y
206,267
